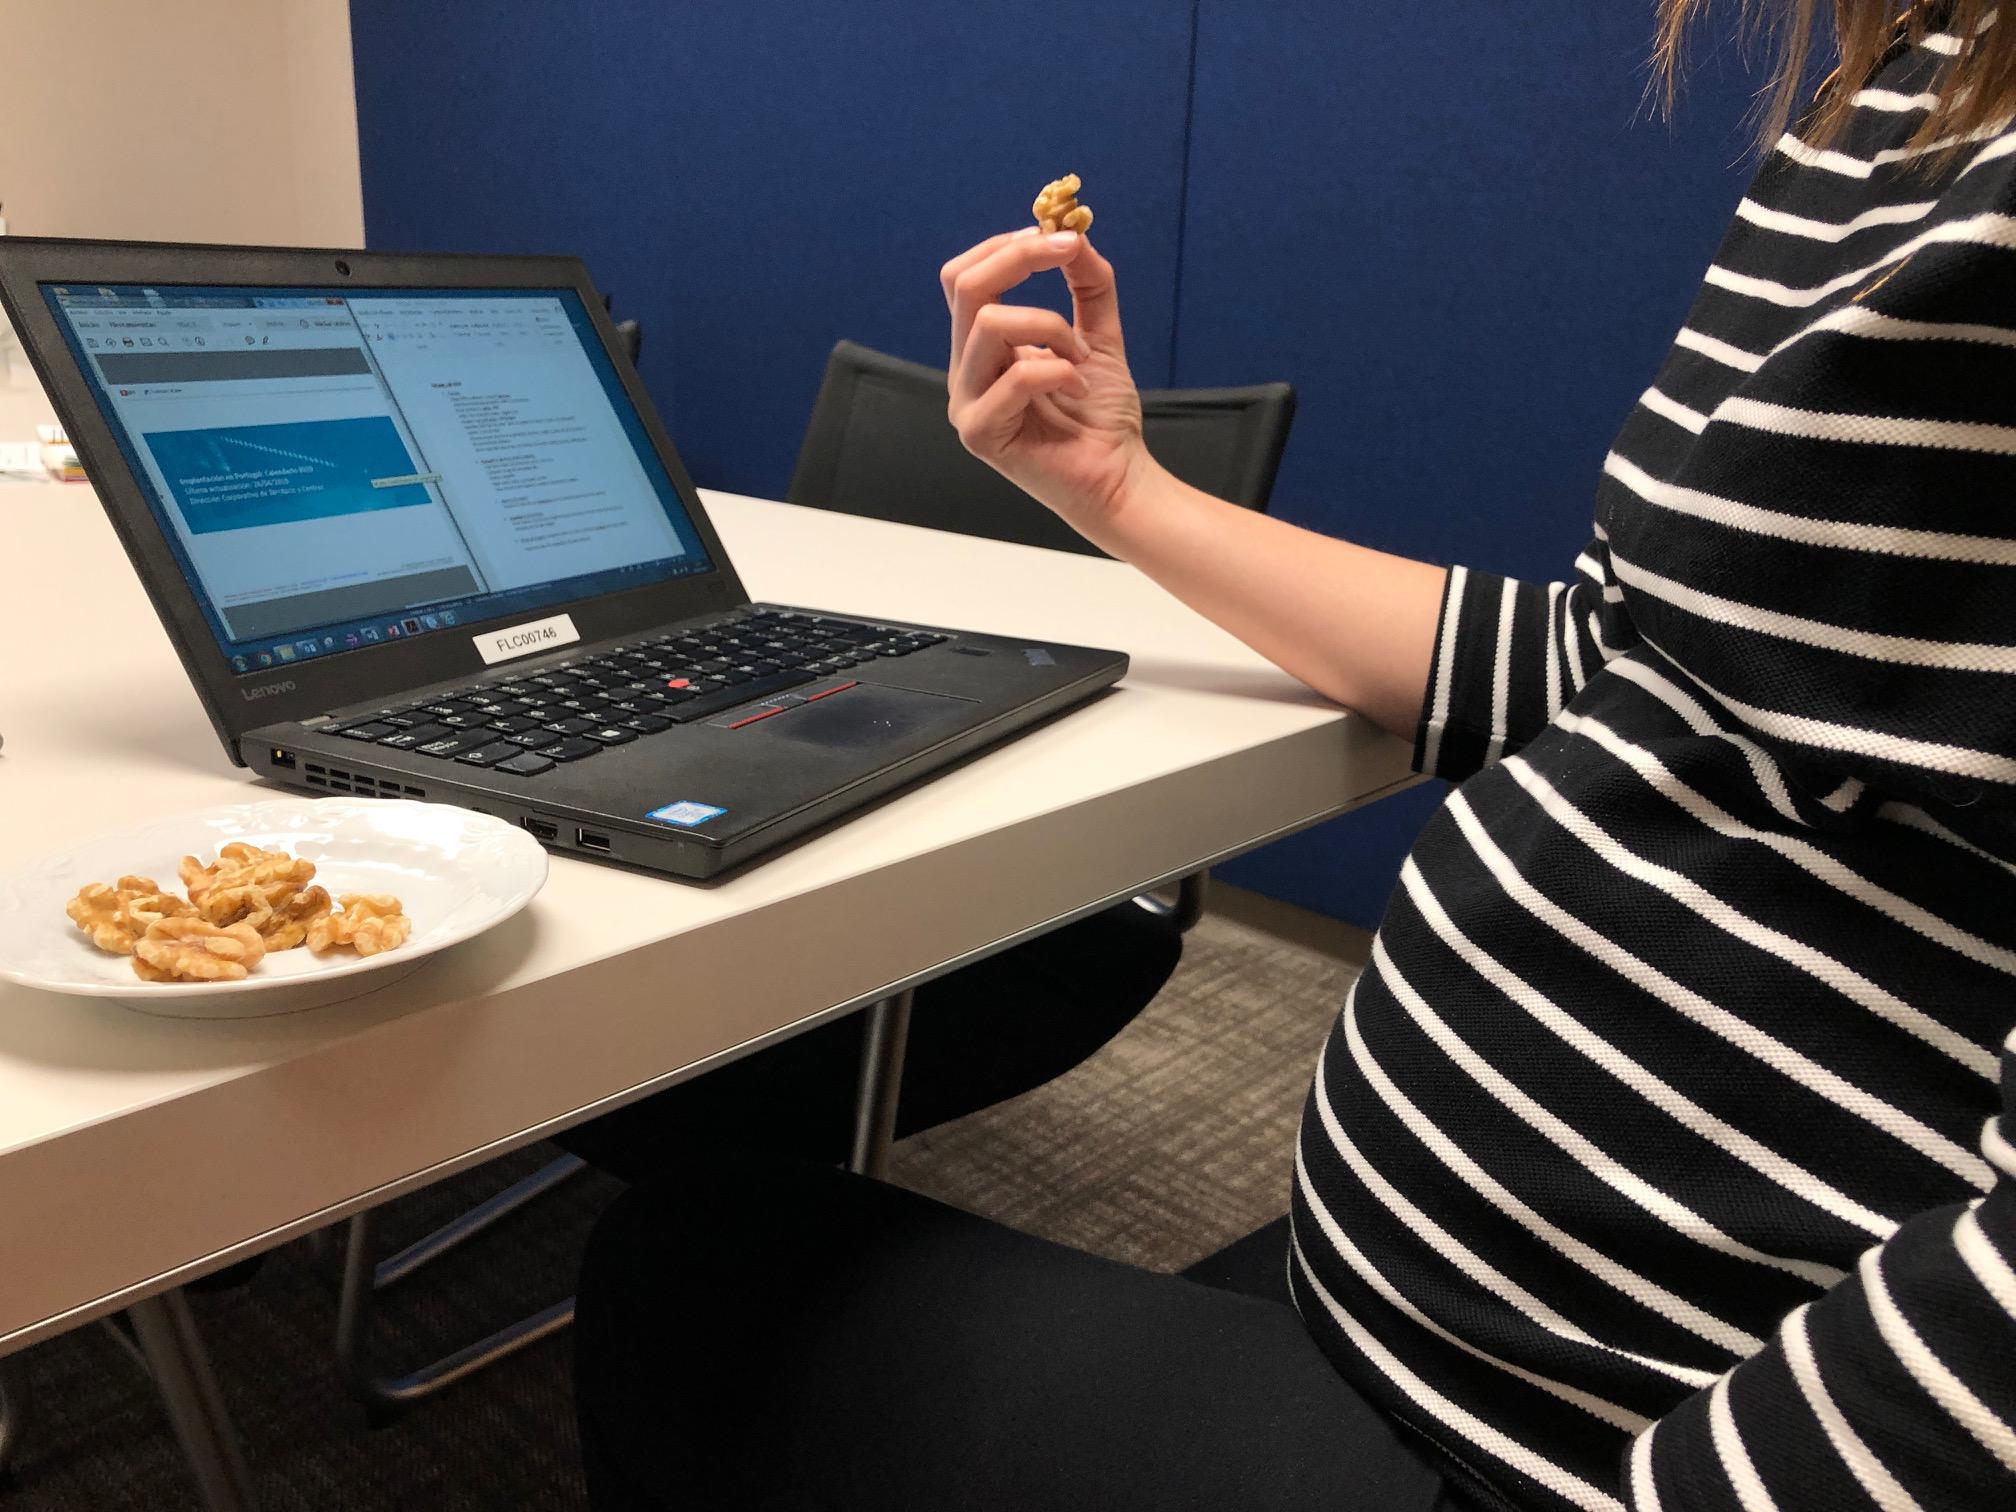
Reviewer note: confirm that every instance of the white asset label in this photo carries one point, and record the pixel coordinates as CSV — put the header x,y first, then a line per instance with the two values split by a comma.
x,y
523,640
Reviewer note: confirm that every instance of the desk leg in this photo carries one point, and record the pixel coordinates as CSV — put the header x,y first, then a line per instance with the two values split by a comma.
x,y
189,1392
880,1085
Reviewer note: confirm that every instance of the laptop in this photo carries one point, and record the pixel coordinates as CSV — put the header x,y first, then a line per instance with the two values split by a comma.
x,y
415,531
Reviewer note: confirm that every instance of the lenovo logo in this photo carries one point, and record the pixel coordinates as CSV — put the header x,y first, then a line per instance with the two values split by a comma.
x,y
266,690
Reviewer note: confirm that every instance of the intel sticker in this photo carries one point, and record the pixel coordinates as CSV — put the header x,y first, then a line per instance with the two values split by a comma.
x,y
686,814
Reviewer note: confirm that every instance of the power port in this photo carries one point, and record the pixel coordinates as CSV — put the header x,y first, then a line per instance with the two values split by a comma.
x,y
589,840
283,758
543,829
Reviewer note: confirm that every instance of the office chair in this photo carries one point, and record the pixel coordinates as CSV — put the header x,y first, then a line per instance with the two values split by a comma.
x,y
384,1397
878,445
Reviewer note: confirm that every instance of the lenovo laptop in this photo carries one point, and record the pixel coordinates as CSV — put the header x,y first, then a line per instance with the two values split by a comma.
x,y
415,531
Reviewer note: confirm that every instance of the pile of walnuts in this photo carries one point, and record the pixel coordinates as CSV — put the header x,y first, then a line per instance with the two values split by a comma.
x,y
245,903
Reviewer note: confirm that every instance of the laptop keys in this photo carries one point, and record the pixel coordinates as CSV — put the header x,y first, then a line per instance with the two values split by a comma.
x,y
570,748
455,742
585,704
490,755
406,740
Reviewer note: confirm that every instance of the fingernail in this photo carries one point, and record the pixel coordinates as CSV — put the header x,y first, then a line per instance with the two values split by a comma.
x,y
1084,348
1063,241
1029,231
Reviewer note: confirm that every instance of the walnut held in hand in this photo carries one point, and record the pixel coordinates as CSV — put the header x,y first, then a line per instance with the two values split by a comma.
x,y
369,923
1057,207
189,949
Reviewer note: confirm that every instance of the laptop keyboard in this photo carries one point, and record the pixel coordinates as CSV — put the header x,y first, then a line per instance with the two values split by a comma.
x,y
572,710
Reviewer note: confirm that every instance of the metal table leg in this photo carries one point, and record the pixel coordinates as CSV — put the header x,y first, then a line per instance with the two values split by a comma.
x,y
1189,905
880,1085
189,1392
383,1396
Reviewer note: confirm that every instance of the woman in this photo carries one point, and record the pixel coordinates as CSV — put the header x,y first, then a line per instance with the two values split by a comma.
x,y
1660,1157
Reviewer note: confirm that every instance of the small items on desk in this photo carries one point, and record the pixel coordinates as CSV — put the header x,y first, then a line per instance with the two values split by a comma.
x,y
59,457
49,457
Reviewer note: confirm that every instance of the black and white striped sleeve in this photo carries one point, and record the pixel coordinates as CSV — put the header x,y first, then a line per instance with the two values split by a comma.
x,y
1508,657
1835,562
1895,1390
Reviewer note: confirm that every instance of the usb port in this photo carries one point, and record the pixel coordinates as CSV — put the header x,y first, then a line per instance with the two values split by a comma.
x,y
283,758
543,829
589,840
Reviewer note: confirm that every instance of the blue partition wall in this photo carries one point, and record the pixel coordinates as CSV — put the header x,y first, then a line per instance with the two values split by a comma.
x,y
756,179
1459,232
1451,227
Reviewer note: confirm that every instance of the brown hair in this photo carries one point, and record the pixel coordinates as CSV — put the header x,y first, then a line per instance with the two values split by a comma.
x,y
1976,91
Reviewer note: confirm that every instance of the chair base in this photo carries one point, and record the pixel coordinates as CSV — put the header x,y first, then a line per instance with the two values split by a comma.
x,y
385,1397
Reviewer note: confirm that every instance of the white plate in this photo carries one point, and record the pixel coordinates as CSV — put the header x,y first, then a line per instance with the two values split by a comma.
x,y
456,872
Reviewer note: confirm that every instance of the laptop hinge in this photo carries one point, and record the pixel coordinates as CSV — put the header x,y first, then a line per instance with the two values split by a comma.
x,y
315,721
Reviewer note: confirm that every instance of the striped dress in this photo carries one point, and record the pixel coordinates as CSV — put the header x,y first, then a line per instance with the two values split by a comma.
x,y
1661,1157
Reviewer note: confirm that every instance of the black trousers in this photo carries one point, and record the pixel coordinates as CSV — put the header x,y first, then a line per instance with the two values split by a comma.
x,y
769,1337
979,1036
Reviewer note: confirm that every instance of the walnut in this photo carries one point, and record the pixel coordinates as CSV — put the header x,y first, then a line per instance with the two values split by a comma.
x,y
198,879
115,917
369,923
288,921
253,887
1057,207
190,949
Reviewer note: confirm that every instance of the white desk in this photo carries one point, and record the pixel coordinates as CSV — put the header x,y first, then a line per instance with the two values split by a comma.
x,y
138,1153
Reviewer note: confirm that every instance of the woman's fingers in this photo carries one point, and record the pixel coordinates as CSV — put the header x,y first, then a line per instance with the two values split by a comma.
x,y
989,423
948,274
986,278
1095,298
998,331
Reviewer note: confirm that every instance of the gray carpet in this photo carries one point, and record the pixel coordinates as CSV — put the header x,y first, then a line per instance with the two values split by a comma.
x,y
1173,1141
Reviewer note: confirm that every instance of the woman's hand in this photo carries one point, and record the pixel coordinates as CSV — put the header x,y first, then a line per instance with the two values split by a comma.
x,y
1052,407
1049,405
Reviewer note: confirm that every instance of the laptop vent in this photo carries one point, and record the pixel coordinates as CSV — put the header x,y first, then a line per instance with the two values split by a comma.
x,y
338,781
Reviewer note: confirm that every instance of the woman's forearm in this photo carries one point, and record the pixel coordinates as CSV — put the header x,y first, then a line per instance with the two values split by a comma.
x,y
1356,625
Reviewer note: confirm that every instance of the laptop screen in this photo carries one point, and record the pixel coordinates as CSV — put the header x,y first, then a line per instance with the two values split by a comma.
x,y
335,468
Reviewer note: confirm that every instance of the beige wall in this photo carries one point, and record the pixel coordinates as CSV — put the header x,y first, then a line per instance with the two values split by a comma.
x,y
176,120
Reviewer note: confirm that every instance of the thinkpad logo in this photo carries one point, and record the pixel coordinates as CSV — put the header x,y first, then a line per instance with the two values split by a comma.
x,y
266,690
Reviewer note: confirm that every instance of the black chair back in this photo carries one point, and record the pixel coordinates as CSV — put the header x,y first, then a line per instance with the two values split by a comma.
x,y
879,445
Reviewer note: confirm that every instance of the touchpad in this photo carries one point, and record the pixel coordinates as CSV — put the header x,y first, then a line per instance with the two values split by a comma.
x,y
866,715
